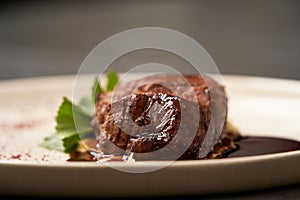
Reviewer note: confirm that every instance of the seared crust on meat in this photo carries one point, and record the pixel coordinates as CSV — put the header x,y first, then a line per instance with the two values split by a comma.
x,y
142,123
132,102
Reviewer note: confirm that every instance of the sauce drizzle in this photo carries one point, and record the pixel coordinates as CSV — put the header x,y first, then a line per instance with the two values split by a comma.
x,y
253,146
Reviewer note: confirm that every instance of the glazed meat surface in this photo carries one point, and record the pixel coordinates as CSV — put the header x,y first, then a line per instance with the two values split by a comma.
x,y
160,115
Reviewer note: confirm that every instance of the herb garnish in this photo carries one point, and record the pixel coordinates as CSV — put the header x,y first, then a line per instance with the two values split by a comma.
x,y
66,137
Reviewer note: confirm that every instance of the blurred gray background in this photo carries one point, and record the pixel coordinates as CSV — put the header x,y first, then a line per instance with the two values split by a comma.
x,y
255,37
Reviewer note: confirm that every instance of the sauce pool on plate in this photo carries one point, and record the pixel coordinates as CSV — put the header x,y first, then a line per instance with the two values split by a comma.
x,y
253,146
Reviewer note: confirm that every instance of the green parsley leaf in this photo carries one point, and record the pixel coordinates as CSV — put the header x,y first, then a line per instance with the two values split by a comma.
x,y
53,142
70,131
112,80
96,89
65,118
67,133
87,105
71,143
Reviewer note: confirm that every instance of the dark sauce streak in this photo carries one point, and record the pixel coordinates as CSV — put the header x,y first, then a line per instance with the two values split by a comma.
x,y
246,146
253,146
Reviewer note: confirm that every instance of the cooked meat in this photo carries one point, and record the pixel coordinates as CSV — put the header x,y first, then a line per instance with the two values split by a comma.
x,y
145,123
150,122
133,121
103,101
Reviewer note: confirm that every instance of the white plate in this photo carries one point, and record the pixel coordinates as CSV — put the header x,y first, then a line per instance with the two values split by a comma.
x,y
258,106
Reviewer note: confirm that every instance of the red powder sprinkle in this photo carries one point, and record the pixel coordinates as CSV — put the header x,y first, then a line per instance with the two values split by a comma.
x,y
27,154
18,156
44,158
19,125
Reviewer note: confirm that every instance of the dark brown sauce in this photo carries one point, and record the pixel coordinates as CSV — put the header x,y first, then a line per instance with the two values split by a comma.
x,y
253,146
247,146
